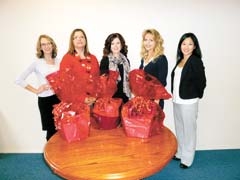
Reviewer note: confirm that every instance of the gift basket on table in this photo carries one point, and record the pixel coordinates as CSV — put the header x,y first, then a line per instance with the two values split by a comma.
x,y
72,120
71,115
142,117
106,110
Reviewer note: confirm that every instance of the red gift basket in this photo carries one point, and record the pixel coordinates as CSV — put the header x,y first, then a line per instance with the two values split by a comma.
x,y
72,88
72,120
146,85
106,112
107,84
141,116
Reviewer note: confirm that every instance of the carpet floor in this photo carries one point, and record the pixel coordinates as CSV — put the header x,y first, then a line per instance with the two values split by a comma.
x,y
208,164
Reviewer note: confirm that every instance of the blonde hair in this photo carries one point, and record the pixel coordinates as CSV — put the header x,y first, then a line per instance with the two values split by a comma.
x,y
39,50
159,49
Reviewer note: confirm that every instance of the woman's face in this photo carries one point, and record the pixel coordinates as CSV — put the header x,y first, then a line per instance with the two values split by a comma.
x,y
46,46
149,42
79,40
116,46
187,47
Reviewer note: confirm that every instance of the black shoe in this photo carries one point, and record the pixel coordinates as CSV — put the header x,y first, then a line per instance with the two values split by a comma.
x,y
183,166
176,158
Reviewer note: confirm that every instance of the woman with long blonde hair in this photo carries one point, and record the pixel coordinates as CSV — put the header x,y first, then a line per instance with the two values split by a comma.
x,y
153,60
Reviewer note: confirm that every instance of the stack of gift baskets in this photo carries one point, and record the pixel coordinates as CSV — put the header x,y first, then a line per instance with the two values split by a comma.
x,y
72,116
106,110
142,117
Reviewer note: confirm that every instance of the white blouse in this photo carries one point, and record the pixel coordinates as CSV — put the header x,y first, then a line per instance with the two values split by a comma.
x,y
41,70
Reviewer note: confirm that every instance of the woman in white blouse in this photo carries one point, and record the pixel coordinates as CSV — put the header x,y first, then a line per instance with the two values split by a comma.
x,y
46,63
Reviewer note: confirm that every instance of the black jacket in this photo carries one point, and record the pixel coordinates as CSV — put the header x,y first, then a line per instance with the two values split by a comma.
x,y
157,68
193,79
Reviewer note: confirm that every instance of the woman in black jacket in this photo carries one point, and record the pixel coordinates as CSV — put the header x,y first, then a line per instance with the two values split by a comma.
x,y
188,82
153,60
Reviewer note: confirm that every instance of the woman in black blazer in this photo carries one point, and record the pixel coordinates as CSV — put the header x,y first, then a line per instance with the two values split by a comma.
x,y
188,82
153,60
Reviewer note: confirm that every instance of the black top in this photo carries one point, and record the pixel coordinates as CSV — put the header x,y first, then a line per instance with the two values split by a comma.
x,y
157,68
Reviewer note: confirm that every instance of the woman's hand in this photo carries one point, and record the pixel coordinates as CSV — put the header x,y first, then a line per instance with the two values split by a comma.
x,y
43,87
90,100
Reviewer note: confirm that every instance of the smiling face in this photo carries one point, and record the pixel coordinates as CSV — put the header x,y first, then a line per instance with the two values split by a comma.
x,y
116,46
187,47
46,46
149,42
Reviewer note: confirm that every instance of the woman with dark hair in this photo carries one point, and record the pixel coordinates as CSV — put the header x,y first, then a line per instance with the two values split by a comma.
x,y
115,59
153,60
82,65
46,64
188,82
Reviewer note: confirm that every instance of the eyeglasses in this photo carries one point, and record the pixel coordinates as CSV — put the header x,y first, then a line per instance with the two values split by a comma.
x,y
46,44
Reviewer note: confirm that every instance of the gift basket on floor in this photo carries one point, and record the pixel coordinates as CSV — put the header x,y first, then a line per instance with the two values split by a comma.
x,y
142,117
106,110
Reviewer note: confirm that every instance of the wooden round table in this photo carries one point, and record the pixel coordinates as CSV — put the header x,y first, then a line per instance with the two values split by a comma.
x,y
110,154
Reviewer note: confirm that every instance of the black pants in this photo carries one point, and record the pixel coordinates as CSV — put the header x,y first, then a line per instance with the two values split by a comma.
x,y
45,105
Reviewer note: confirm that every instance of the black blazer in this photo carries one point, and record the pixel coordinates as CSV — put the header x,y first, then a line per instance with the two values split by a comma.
x,y
193,79
157,68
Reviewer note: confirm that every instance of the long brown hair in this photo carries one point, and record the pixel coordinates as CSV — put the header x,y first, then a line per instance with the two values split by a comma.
x,y
108,41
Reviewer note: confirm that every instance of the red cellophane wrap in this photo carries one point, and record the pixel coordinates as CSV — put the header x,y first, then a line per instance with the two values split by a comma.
x,y
54,81
146,85
142,117
107,84
106,110
70,87
72,120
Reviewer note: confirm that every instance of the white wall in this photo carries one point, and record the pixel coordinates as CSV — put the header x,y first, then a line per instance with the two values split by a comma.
x,y
216,23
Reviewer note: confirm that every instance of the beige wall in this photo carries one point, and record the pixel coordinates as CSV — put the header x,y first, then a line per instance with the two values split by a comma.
x,y
216,23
